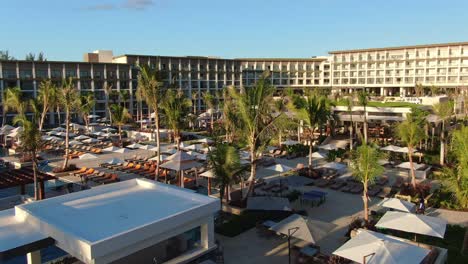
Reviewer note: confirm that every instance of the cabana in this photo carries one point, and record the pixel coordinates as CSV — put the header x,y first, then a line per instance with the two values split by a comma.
x,y
413,223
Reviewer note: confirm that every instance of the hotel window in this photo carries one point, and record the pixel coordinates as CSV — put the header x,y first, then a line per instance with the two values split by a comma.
x,y
71,73
41,74
84,74
56,74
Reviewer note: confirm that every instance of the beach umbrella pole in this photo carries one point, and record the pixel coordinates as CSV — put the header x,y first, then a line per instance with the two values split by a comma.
x,y
294,230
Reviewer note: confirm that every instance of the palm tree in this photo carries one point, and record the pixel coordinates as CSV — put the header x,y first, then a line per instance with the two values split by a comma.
x,y
231,118
315,110
69,98
87,103
411,132
47,95
175,108
227,169
107,92
124,95
139,100
120,117
365,167
149,81
254,105
457,177
195,101
349,107
31,144
13,101
419,90
210,104
363,99
444,111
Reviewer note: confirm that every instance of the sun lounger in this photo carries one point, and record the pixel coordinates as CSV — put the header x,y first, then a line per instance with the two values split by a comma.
x,y
113,178
135,169
83,169
126,165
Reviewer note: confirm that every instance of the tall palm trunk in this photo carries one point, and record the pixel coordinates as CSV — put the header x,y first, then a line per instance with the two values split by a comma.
x,y
351,133
158,144
365,201
365,125
120,136
34,161
311,147
67,146
42,120
410,157
58,114
442,144
253,171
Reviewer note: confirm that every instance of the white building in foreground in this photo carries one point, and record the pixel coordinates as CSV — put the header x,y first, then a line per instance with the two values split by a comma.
x,y
135,221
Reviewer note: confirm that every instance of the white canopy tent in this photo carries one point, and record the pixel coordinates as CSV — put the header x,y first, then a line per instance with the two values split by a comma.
x,y
413,223
181,156
398,204
375,247
307,229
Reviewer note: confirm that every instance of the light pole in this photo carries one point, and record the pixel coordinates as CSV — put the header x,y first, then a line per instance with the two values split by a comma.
x,y
294,230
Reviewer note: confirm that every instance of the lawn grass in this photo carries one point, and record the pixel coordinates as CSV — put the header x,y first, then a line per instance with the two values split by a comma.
x,y
234,225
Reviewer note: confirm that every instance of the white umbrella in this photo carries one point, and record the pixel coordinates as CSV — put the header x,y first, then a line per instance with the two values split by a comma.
x,y
147,147
179,165
134,146
74,143
398,204
305,229
93,116
379,248
205,141
318,155
208,174
111,149
91,140
99,134
406,165
108,129
13,134
279,168
59,129
413,223
170,151
290,142
6,128
122,150
181,156
194,147
54,138
81,137
114,161
405,150
198,155
162,157
52,132
391,148
329,147
88,156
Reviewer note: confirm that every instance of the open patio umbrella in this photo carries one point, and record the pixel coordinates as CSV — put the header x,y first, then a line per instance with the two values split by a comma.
x,y
205,141
147,147
99,134
81,137
59,129
180,166
374,247
279,168
306,229
413,223
134,146
406,165
162,157
74,143
122,150
111,149
405,150
108,129
91,140
197,155
391,148
318,155
196,147
290,142
114,161
398,204
88,156
181,156
170,151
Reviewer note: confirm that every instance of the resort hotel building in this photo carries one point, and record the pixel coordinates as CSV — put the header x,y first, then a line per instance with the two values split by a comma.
x,y
393,71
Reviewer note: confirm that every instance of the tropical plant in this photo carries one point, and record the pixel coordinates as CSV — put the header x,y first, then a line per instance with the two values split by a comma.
x,y
419,90
30,144
47,95
411,132
231,118
176,108
69,99
444,110
150,84
5,55
457,176
349,107
210,104
107,91
254,105
227,169
139,102
315,110
365,168
434,90
195,101
13,101
124,95
363,99
86,106
35,106
120,117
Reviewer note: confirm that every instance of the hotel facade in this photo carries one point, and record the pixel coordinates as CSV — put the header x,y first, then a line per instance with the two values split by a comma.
x,y
393,71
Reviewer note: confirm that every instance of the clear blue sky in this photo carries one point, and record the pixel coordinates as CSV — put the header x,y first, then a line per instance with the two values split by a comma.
x,y
65,29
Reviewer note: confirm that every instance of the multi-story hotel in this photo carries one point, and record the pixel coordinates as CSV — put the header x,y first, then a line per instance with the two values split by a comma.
x,y
383,71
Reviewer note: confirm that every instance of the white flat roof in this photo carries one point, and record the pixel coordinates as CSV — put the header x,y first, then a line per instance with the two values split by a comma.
x,y
14,233
96,222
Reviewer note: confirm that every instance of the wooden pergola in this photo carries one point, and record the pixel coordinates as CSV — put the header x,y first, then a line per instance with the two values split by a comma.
x,y
20,177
